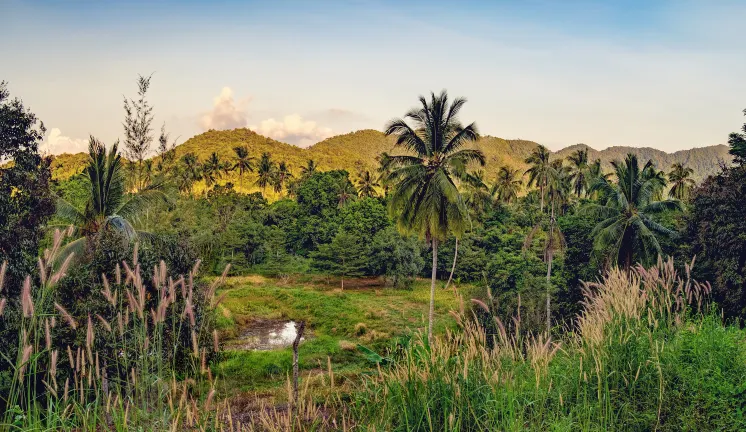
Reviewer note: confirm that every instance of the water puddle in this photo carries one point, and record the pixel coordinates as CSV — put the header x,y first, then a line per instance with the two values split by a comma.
x,y
267,335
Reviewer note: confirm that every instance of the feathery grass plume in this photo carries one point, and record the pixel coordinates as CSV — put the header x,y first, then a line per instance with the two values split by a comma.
x,y
27,303
120,324
66,316
215,340
118,274
62,271
111,298
3,269
89,334
53,365
3,301
42,271
164,272
189,311
67,388
27,351
195,347
134,253
70,357
47,334
219,300
210,397
104,323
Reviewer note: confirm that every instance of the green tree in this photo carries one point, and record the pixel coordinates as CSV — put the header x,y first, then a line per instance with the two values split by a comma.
x,y
137,129
108,205
212,169
265,171
507,185
366,185
244,162
626,228
345,256
558,187
737,143
425,198
282,177
309,169
188,172
681,181
345,192
538,174
26,201
579,170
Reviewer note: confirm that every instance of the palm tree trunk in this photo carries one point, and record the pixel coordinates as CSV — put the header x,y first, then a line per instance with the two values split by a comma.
x,y
541,192
550,256
431,315
453,267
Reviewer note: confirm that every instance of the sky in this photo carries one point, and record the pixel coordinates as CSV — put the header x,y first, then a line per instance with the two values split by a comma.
x,y
663,74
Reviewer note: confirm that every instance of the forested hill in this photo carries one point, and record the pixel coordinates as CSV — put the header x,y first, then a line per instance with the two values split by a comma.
x,y
358,150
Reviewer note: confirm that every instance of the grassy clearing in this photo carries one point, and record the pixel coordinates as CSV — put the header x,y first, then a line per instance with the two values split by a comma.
x,y
366,313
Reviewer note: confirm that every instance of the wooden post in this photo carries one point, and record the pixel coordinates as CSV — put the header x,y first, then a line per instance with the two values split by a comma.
x,y
299,328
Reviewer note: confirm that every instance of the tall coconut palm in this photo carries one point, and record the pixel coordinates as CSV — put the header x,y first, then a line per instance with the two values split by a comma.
x,y
538,174
282,176
108,205
366,185
425,198
346,192
212,169
309,169
265,171
558,188
626,228
507,185
188,172
579,169
384,171
244,162
682,183
476,192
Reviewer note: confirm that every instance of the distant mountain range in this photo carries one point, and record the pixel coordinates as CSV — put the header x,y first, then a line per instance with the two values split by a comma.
x,y
357,151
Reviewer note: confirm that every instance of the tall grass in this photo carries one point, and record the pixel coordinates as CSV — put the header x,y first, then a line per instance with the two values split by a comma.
x,y
645,354
113,374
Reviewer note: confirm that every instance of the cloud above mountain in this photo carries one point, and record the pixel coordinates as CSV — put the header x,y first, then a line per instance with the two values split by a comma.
x,y
226,113
55,143
293,129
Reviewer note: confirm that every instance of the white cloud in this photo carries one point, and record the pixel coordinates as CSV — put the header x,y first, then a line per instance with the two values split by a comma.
x,y
56,143
225,113
293,129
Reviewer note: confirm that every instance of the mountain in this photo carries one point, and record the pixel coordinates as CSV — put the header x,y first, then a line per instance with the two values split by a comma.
x,y
357,151
705,161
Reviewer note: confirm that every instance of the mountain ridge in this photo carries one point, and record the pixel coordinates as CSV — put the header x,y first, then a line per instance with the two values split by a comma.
x,y
357,151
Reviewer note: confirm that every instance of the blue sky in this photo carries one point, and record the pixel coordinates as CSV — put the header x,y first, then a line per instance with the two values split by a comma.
x,y
662,74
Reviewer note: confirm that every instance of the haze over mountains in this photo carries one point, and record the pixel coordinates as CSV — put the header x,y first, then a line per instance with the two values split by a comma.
x,y
357,151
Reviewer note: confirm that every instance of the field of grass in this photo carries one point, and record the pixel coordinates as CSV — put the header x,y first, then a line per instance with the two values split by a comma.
x,y
364,313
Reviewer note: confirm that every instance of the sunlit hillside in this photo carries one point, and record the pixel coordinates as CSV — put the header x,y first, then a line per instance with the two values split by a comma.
x,y
357,151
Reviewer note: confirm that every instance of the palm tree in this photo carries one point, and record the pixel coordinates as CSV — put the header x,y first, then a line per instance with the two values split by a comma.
x,y
108,205
507,184
558,188
626,227
265,170
345,192
188,172
309,169
539,171
579,169
477,194
658,178
244,162
281,176
425,198
212,169
384,171
366,185
679,176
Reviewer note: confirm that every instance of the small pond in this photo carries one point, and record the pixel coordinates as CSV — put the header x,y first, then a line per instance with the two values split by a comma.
x,y
266,335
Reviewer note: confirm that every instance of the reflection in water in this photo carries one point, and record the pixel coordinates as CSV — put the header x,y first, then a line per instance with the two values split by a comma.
x,y
266,335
